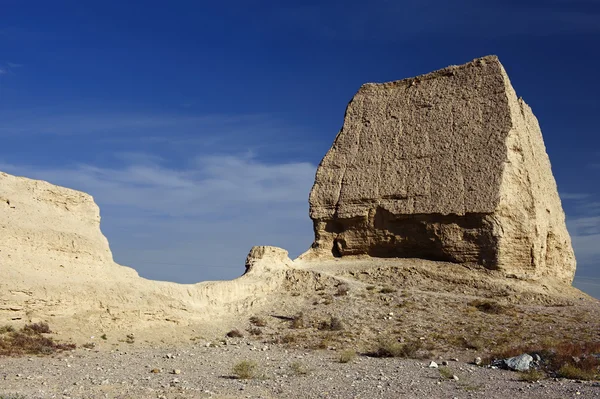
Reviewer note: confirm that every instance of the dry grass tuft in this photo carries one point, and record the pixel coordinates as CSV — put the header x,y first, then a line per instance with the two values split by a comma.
x,y
446,372
254,331
532,375
297,321
573,372
334,324
342,289
299,368
235,333
347,356
388,290
389,347
245,370
258,321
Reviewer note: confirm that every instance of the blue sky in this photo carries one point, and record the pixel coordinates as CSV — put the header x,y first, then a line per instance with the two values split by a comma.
x,y
198,125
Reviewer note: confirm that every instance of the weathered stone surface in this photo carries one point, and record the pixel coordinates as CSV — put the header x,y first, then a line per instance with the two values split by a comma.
x,y
519,363
55,264
446,166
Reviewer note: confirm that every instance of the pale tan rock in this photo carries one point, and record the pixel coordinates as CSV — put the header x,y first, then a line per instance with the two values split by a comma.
x,y
56,266
445,166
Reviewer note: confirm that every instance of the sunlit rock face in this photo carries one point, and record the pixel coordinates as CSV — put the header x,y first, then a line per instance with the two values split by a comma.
x,y
445,166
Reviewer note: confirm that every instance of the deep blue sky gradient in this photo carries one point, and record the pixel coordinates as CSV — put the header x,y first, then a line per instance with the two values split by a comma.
x,y
171,97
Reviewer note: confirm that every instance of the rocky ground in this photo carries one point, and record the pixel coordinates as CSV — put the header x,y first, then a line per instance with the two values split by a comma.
x,y
429,311
197,371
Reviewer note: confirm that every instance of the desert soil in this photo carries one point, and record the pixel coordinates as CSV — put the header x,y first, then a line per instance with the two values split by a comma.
x,y
435,305
198,371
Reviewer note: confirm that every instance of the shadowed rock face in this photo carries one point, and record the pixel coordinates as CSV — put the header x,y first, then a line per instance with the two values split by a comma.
x,y
446,166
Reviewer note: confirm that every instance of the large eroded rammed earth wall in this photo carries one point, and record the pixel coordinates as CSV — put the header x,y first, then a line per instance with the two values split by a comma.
x,y
446,166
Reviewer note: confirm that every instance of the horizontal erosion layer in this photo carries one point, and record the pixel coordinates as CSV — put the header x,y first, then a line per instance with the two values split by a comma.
x,y
452,238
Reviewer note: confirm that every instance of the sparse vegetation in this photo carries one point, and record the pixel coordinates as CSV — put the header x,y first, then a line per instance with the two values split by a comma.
x,y
570,360
342,289
532,375
288,339
388,290
245,369
297,321
347,356
6,329
299,368
574,372
39,328
446,372
254,331
130,338
334,324
89,345
389,347
235,333
258,322
29,340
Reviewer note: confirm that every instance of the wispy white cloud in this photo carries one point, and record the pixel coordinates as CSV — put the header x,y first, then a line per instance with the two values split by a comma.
x,y
2,71
61,123
573,196
202,217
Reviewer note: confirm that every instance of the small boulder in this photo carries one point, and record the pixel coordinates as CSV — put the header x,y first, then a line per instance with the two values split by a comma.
x,y
519,363
433,365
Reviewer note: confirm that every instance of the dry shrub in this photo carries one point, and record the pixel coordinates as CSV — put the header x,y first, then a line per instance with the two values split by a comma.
x,y
392,348
347,356
388,290
245,369
29,341
532,375
235,333
6,329
297,321
258,321
298,368
40,328
288,339
334,324
255,331
342,289
446,372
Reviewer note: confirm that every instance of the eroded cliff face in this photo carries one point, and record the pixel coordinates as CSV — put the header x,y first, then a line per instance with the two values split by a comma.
x,y
52,231
446,166
56,265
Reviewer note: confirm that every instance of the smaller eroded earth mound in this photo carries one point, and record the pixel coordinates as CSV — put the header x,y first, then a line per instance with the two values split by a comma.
x,y
448,166
56,266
